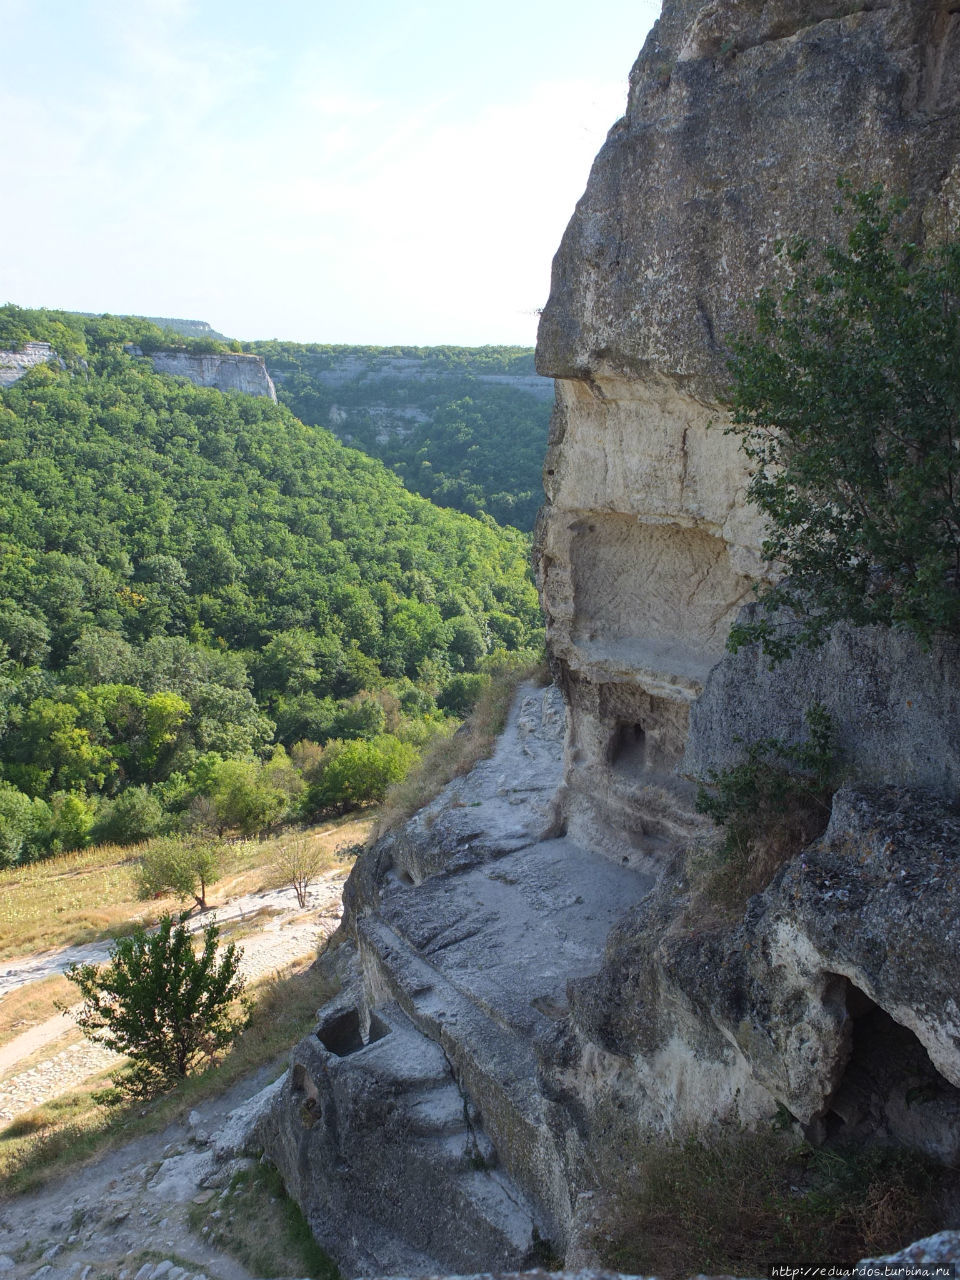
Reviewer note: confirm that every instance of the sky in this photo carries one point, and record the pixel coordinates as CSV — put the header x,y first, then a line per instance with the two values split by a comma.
x,y
358,171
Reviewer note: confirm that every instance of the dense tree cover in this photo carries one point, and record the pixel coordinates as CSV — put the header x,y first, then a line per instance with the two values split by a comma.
x,y
196,588
846,398
429,413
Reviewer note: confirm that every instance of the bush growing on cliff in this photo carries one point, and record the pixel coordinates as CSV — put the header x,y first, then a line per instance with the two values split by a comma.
x,y
770,806
846,398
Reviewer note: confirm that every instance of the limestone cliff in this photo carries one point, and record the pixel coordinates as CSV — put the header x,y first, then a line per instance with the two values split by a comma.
x,y
528,976
741,116
14,364
224,370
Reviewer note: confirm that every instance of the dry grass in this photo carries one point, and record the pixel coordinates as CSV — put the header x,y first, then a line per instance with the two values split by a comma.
x,y
80,1126
32,1004
451,757
86,896
257,1223
739,1203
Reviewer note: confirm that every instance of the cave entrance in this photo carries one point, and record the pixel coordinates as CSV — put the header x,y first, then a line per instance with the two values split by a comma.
x,y
627,750
343,1034
890,1090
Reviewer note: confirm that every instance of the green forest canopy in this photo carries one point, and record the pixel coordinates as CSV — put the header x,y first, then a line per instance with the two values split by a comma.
x,y
449,432
190,580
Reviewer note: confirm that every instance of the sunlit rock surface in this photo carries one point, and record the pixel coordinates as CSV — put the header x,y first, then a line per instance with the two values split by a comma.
x,y
14,364
226,370
528,979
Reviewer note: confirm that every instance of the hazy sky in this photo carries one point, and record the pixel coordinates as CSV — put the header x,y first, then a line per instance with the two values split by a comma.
x,y
356,171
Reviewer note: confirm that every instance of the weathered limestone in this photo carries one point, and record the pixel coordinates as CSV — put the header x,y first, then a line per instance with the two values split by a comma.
x,y
741,115
895,706
530,942
834,996
226,370
14,364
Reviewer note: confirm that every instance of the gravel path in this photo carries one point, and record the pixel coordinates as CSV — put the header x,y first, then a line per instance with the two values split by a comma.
x,y
278,943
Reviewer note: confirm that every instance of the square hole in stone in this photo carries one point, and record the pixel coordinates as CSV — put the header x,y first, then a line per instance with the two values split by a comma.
x,y
342,1035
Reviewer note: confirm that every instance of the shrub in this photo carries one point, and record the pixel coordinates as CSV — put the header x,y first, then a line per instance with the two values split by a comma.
x,y
358,772
160,1004
23,823
846,399
184,867
770,805
460,694
737,1203
134,815
244,796
71,821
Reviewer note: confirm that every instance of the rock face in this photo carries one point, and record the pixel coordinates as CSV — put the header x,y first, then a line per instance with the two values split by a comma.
x,y
224,370
895,706
14,364
531,943
741,115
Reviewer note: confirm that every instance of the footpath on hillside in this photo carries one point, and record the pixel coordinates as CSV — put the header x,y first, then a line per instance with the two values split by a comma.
x,y
285,933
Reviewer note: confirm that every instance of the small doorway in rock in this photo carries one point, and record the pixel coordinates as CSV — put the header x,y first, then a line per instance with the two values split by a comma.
x,y
627,752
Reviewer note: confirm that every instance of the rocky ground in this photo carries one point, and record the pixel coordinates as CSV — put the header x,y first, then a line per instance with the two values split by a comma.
x,y
127,1216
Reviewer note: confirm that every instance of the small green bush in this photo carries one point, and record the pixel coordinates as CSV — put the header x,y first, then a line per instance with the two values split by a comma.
x,y
157,1002
771,804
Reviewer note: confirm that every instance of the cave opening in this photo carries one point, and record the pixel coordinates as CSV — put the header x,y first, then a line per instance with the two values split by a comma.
x,y
343,1034
890,1090
627,749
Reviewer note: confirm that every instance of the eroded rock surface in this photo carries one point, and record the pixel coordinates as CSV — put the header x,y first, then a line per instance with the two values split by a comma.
x,y
225,370
834,997
741,115
14,364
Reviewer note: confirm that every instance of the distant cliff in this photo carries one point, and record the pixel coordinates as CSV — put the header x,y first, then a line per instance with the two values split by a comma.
x,y
223,370
14,364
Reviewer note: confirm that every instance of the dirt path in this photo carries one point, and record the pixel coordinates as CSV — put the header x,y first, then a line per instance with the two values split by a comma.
x,y
278,942
126,1216
44,964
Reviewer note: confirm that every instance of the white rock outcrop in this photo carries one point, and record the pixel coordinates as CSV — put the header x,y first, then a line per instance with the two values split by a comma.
x,y
14,364
226,370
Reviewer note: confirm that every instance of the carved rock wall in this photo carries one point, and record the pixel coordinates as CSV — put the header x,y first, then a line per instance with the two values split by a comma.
x,y
741,116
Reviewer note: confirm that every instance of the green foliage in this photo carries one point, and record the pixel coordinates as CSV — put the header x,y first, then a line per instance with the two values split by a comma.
x,y
358,772
463,442
190,577
23,826
183,866
133,815
460,694
771,804
243,796
846,399
160,1004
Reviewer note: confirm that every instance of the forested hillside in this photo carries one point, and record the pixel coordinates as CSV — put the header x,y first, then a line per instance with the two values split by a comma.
x,y
205,602
465,427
